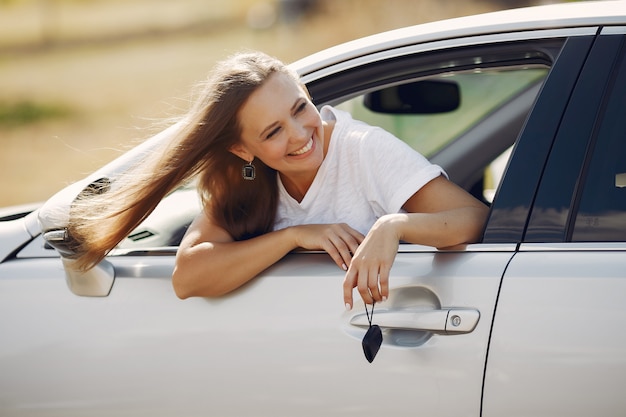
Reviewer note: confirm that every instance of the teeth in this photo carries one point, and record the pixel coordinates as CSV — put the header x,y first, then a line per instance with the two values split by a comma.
x,y
305,149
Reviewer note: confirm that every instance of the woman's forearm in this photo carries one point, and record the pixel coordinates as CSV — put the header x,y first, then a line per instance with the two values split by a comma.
x,y
211,269
442,229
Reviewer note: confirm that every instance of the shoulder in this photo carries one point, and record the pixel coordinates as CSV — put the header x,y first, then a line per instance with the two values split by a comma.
x,y
370,142
204,228
341,118
346,129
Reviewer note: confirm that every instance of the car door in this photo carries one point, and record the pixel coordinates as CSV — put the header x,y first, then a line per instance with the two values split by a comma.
x,y
283,344
557,348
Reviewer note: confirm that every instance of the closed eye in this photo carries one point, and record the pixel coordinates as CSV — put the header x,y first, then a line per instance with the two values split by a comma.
x,y
301,107
272,133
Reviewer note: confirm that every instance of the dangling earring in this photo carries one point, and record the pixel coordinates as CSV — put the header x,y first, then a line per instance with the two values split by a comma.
x,y
248,172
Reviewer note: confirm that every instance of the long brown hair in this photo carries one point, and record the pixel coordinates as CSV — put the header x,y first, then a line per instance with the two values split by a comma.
x,y
99,221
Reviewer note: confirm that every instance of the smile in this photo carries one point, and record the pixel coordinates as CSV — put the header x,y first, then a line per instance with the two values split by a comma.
x,y
304,149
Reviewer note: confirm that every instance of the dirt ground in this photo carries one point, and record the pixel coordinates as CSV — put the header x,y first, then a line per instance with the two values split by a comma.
x,y
120,72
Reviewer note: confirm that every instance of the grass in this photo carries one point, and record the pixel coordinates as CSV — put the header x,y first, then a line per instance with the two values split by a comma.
x,y
27,112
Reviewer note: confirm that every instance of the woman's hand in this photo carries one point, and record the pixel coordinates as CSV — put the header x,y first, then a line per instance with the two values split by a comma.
x,y
371,263
440,214
340,241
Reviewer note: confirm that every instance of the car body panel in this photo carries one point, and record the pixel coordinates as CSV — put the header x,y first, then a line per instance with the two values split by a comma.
x,y
17,233
284,326
556,337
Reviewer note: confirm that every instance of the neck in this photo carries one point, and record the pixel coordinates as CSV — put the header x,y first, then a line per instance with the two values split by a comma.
x,y
297,187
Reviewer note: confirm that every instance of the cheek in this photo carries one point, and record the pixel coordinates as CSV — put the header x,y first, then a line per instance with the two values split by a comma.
x,y
274,149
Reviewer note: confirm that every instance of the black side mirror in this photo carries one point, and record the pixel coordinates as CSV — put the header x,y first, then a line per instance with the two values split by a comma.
x,y
421,97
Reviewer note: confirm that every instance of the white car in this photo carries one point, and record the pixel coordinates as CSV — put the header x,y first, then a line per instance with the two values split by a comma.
x,y
523,108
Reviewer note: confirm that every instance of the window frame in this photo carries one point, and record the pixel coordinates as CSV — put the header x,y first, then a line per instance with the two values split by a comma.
x,y
516,194
553,212
598,141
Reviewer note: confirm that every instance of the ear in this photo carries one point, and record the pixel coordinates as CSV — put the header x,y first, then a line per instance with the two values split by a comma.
x,y
240,150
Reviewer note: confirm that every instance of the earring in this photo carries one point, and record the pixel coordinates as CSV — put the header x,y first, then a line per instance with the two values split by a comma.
x,y
248,172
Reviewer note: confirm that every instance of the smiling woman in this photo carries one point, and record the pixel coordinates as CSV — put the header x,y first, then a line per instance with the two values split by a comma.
x,y
275,174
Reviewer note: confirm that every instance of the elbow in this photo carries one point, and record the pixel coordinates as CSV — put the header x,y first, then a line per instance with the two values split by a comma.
x,y
481,220
187,286
184,284
476,224
185,278
181,290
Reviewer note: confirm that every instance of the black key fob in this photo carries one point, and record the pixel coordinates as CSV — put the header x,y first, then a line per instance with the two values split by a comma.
x,y
371,342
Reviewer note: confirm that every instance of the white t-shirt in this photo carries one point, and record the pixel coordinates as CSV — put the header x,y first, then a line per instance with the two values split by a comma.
x,y
367,173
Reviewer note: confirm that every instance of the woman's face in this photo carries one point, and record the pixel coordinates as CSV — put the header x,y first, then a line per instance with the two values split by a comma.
x,y
282,128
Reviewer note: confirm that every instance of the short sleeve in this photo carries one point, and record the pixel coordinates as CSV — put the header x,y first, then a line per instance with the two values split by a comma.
x,y
393,171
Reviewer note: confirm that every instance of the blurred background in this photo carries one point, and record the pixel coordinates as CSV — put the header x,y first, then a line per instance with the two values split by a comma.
x,y
81,81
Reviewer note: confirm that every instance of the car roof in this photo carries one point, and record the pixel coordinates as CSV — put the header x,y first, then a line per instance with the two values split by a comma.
x,y
555,16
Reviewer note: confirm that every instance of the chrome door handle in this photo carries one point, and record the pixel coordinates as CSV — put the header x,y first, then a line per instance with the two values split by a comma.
x,y
446,321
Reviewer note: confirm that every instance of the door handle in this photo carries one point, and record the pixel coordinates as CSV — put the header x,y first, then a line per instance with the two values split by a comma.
x,y
446,321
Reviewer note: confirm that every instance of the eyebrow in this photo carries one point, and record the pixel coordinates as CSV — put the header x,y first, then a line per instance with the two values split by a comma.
x,y
273,125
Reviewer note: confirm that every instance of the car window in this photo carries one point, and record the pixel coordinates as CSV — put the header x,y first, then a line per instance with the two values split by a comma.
x,y
601,214
481,91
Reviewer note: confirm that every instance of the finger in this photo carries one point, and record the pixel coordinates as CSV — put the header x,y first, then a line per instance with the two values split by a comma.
x,y
342,243
342,248
363,287
347,244
331,249
335,246
355,238
348,286
384,282
372,285
350,235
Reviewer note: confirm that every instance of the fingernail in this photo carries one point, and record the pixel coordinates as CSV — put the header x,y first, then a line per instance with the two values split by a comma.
x,y
384,298
344,267
348,307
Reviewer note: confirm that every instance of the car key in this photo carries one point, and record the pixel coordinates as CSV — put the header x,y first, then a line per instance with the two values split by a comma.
x,y
373,337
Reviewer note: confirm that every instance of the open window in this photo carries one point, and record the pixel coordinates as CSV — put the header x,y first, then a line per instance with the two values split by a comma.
x,y
466,121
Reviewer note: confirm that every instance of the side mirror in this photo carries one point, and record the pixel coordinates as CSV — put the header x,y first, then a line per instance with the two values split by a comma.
x,y
421,97
53,216
96,282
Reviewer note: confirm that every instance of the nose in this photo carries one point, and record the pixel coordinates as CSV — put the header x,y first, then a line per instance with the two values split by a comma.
x,y
297,131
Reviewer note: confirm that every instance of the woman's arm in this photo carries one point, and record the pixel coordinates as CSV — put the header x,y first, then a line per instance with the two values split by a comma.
x,y
440,214
210,263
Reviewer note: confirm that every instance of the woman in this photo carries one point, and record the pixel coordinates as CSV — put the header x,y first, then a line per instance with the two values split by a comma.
x,y
276,175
